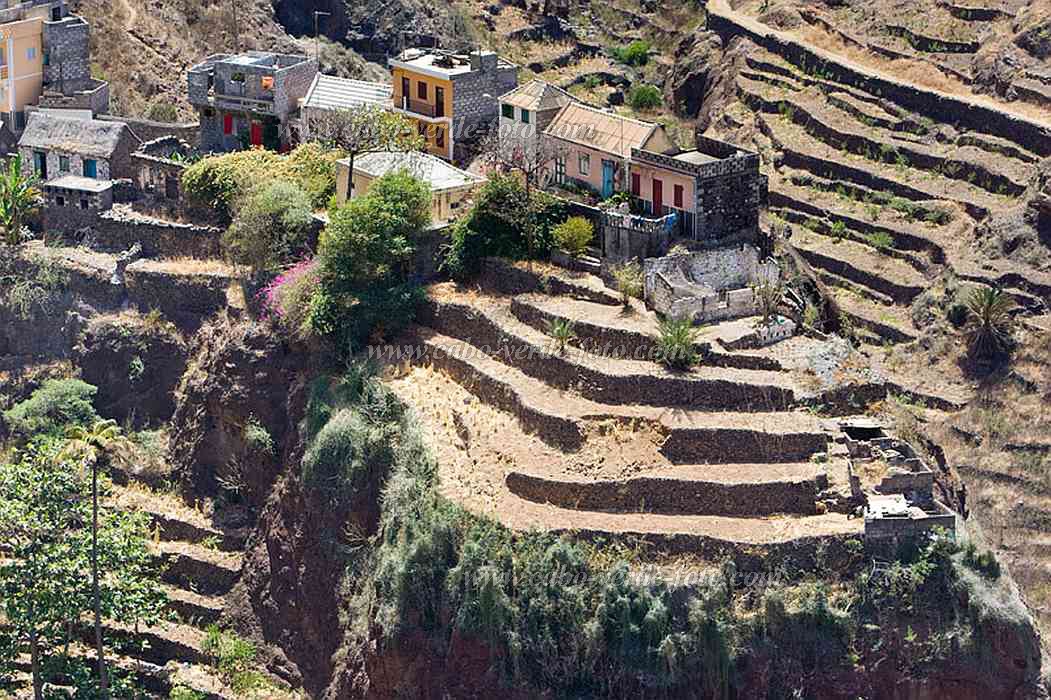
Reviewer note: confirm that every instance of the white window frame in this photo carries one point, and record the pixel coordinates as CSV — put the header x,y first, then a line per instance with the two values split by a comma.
x,y
584,163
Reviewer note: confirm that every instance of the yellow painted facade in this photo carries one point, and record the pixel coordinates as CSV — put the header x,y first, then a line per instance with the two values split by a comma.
x,y
21,64
434,118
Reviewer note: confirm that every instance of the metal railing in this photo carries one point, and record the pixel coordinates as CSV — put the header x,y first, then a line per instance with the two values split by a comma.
x,y
421,107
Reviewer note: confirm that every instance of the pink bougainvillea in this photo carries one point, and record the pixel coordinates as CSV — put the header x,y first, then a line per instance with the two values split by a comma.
x,y
287,298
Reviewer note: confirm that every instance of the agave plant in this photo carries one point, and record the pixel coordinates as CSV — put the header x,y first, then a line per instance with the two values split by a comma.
x,y
989,324
19,197
675,344
563,333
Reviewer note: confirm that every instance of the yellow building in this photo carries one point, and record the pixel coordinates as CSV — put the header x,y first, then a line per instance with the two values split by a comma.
x,y
451,188
21,67
450,96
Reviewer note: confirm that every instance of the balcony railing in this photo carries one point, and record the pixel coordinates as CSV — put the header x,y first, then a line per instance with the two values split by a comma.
x,y
244,103
423,108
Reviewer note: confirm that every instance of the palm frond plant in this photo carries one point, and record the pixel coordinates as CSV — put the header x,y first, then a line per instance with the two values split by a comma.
x,y
989,326
98,445
19,198
768,297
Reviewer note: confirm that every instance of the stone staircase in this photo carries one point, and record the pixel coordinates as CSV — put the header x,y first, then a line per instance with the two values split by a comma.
x,y
717,461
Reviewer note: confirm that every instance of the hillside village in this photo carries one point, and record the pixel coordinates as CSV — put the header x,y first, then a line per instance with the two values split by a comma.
x,y
388,357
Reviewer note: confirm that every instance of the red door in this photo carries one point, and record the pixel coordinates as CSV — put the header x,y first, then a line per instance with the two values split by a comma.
x,y
658,197
256,135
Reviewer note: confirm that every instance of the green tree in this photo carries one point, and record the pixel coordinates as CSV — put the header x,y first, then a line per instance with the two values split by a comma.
x,y
989,325
361,130
364,257
644,97
56,404
43,592
19,198
271,227
97,445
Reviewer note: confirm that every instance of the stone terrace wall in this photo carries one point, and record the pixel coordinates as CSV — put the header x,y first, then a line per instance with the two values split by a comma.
x,y
972,115
185,299
120,228
147,130
667,496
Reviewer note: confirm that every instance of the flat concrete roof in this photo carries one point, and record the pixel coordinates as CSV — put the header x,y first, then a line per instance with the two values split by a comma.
x,y
695,158
80,183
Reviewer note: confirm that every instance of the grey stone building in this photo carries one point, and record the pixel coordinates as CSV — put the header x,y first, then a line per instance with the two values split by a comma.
x,y
452,97
249,99
58,146
716,188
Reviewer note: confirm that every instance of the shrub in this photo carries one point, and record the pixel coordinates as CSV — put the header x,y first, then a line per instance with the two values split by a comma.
x,y
164,112
645,97
563,333
637,53
33,292
288,297
181,692
58,403
629,281
236,660
675,344
219,181
271,227
839,228
880,240
957,314
257,437
574,235
498,226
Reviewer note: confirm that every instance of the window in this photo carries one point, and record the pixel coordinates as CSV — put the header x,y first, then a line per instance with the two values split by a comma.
x,y
421,90
228,124
63,163
84,204
47,58
636,184
90,168
525,116
584,164
439,137
508,111
60,201
31,53
678,197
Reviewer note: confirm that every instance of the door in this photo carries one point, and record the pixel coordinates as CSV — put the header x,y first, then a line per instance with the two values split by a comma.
x,y
91,168
658,197
560,170
256,135
40,163
439,102
405,93
607,179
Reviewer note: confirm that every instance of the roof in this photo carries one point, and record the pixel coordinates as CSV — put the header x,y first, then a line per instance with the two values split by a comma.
x,y
538,96
695,157
431,169
441,63
604,131
330,92
92,138
79,183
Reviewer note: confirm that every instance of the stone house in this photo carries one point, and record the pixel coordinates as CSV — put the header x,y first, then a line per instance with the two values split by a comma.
x,y
45,59
527,111
73,202
451,97
59,145
715,189
249,99
595,146
451,188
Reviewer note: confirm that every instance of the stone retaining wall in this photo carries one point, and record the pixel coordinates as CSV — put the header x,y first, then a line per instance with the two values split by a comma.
x,y
120,228
972,115
186,299
500,276
147,130
714,445
646,494
657,389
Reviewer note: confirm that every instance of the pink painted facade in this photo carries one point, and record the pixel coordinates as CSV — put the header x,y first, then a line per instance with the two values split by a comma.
x,y
644,174
584,165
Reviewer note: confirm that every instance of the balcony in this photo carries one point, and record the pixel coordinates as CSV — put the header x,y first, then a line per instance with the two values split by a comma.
x,y
3,72
422,108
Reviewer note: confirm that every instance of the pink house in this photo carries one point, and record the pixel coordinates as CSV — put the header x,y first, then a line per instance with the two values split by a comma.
x,y
596,146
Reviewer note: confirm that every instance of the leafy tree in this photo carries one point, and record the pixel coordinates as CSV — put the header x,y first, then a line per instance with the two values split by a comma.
x,y
19,198
505,221
97,445
364,256
56,404
43,592
271,227
989,325
637,53
366,129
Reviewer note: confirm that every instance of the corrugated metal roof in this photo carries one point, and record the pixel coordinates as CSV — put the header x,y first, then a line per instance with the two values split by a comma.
x,y
603,131
330,92
431,169
538,96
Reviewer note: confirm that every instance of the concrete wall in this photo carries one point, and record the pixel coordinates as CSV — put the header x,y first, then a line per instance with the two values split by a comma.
x,y
146,130
69,55
471,108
